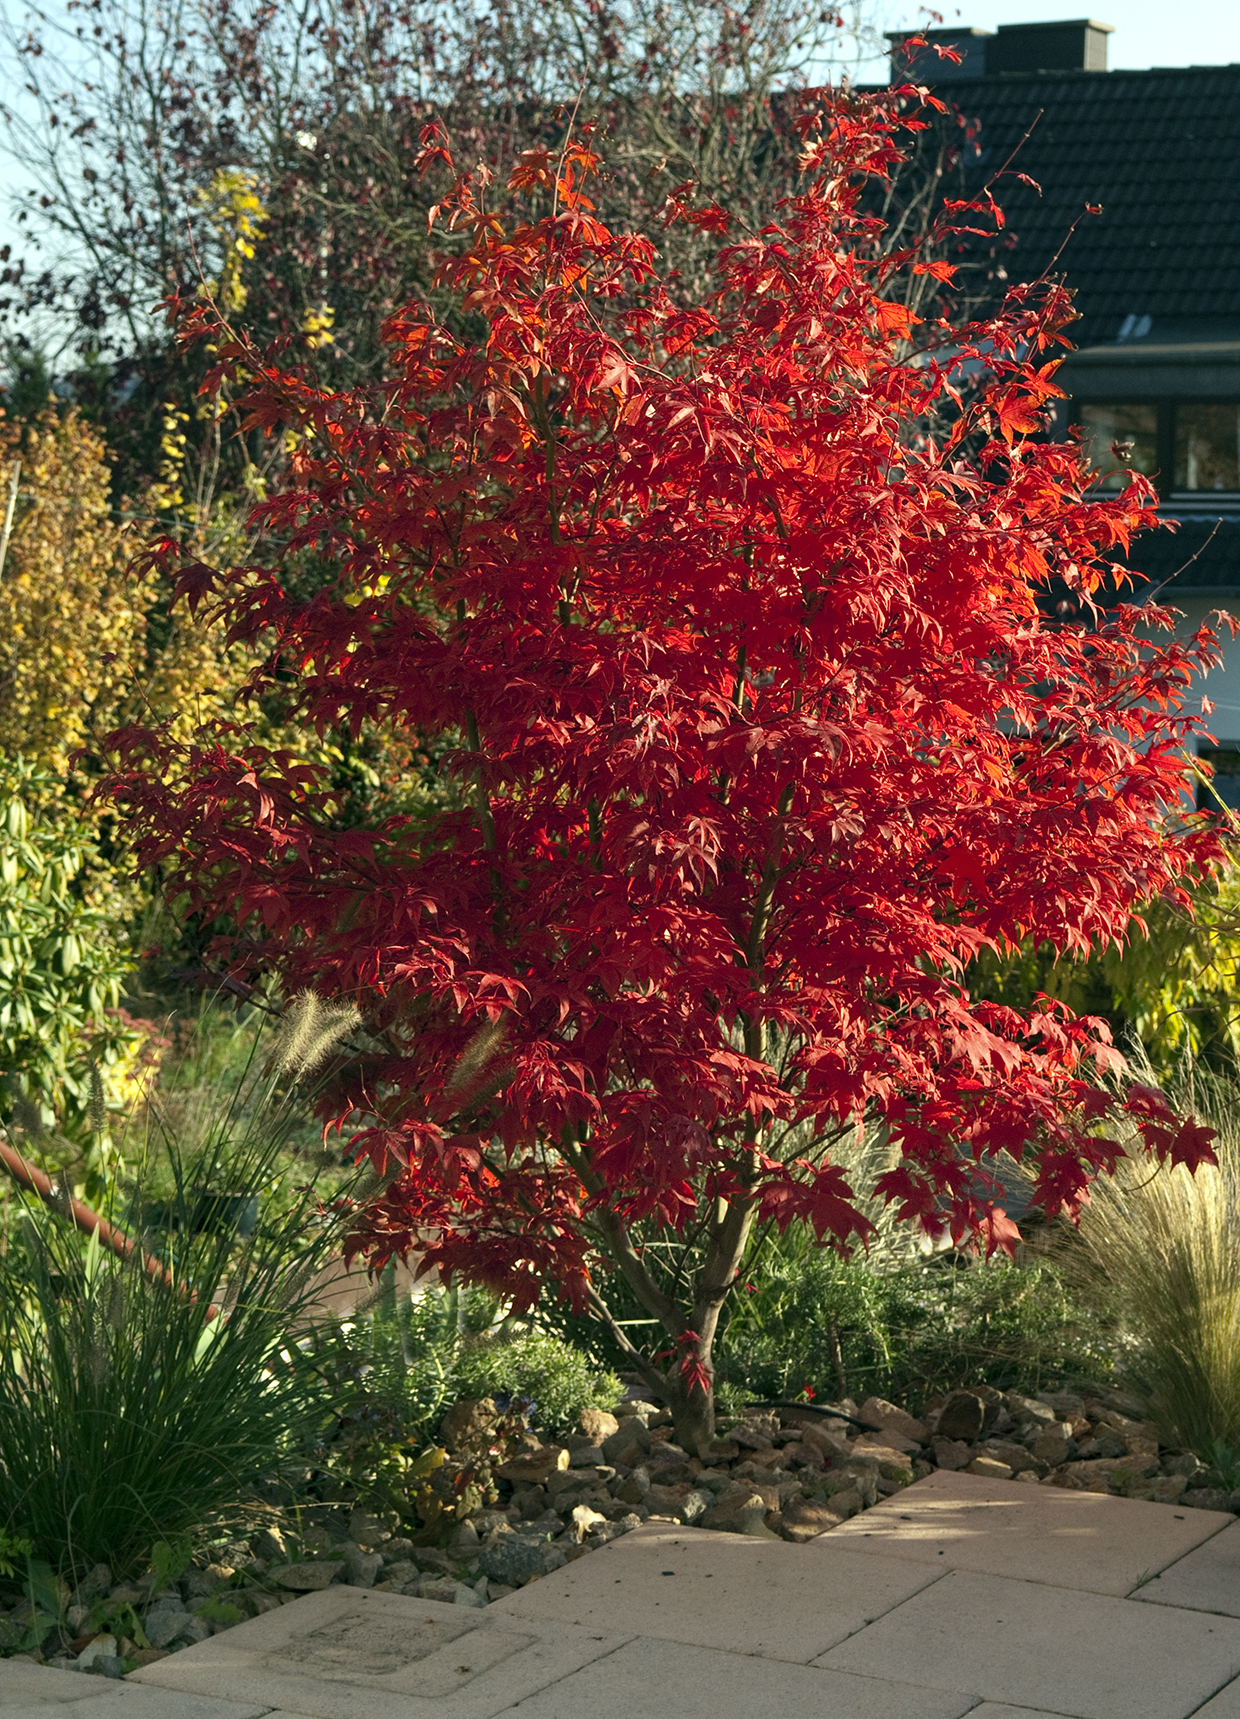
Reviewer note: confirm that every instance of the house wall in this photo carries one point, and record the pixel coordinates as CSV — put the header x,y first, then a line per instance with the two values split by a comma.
x,y
1222,685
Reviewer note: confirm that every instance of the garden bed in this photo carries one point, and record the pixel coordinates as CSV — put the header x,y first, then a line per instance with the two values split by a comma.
x,y
789,1472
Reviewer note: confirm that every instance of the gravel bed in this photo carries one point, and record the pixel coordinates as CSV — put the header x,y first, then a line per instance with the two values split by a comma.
x,y
790,1472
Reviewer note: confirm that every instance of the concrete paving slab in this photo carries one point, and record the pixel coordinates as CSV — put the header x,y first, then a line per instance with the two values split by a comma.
x,y
1225,1705
1081,1540
27,1689
346,1653
646,1679
1205,1580
722,1590
154,1704
998,1710
1055,1650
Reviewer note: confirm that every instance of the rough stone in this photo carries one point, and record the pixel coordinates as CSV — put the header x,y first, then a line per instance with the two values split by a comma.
x,y
529,1502
744,1513
990,1467
535,1467
831,1440
597,1424
468,1424
1053,1443
634,1487
97,1581
695,1504
802,1455
200,1584
1029,1411
362,1568
270,1544
665,1500
952,1453
147,1656
805,1518
1184,1463
441,1588
164,1623
1206,1498
370,1528
892,1464
1017,1458
517,1558
887,1417
632,1435
101,1647
845,1503
1099,1473
751,1437
307,1578
962,1416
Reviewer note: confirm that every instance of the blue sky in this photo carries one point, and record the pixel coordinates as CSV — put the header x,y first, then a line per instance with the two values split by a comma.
x,y
1147,32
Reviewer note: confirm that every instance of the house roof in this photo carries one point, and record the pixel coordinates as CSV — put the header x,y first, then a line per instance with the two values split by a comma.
x,y
1158,150
1201,558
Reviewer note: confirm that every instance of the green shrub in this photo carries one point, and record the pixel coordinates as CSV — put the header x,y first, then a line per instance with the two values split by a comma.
x,y
843,1329
895,1323
391,1373
555,1378
66,1052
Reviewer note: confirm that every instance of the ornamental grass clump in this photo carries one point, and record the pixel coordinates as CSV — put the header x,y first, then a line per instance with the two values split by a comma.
x,y
143,1396
1158,1249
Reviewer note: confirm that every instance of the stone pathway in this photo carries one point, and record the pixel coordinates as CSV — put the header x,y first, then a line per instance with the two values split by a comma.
x,y
958,1595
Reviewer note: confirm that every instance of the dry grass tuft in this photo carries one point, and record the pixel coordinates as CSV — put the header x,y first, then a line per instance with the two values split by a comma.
x,y
1158,1247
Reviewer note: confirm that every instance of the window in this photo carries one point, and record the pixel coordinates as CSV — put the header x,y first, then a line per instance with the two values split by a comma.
x,y
1207,446
1102,425
1225,781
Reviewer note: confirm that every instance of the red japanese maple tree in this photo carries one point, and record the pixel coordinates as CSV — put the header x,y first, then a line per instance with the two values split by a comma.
x,y
735,618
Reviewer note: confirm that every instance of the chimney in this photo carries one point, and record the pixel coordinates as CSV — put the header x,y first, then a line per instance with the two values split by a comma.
x,y
923,65
1076,46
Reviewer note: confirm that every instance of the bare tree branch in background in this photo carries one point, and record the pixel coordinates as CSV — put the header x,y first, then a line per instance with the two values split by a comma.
x,y
267,146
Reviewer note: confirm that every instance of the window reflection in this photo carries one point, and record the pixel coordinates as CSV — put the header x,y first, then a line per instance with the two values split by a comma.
x,y
1207,446
1124,421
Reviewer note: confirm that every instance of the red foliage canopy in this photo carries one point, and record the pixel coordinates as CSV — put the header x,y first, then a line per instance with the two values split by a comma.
x,y
732,613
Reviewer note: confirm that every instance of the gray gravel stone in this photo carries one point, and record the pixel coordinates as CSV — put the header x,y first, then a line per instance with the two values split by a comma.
x,y
164,1622
515,1558
309,1578
362,1568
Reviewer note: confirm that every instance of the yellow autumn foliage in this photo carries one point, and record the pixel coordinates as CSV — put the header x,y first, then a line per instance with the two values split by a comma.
x,y
71,617
78,652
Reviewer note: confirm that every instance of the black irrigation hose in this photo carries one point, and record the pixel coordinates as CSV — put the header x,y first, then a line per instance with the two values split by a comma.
x,y
813,1409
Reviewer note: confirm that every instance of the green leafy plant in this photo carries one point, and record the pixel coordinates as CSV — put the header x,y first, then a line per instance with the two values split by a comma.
x,y
553,1377
1225,1461
390,1372
13,1547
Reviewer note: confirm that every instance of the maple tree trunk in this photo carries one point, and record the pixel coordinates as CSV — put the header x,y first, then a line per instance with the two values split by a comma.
x,y
688,1383
693,1416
